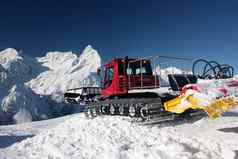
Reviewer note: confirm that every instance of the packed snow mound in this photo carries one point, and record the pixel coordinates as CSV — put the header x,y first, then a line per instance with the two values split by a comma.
x,y
109,137
67,70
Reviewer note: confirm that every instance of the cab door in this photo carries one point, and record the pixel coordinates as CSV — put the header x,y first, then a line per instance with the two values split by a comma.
x,y
108,81
108,78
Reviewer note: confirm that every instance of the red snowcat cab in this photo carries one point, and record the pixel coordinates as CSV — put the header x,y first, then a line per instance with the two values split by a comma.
x,y
122,75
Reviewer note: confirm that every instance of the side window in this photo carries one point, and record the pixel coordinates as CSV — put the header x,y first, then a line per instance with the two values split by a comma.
x,y
129,71
136,68
108,77
141,70
121,68
110,74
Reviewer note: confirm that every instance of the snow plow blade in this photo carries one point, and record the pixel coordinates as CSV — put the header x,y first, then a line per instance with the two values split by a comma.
x,y
175,105
215,97
220,106
215,109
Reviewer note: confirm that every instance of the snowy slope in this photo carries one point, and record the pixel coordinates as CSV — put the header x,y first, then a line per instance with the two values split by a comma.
x,y
116,137
32,87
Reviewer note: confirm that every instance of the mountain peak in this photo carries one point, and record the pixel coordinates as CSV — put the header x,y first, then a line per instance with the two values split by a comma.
x,y
89,47
9,57
88,50
9,50
9,54
89,53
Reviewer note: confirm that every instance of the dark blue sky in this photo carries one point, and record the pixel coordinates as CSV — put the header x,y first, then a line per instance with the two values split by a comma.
x,y
186,28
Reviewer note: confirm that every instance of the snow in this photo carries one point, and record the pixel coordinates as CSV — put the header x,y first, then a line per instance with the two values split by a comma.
x,y
22,116
117,137
32,88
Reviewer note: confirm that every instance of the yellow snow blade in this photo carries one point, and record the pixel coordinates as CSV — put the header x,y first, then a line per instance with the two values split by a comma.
x,y
214,110
220,106
175,105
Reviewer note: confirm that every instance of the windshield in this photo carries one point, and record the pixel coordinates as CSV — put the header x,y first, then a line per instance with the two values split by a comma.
x,y
139,67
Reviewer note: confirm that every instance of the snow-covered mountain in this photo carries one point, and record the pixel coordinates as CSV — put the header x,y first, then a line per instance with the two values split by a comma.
x,y
33,87
65,70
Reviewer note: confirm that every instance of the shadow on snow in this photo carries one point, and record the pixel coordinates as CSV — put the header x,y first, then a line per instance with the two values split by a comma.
x,y
231,114
7,140
229,130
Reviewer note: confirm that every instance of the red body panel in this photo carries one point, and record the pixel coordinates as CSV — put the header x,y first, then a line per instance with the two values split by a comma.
x,y
120,82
